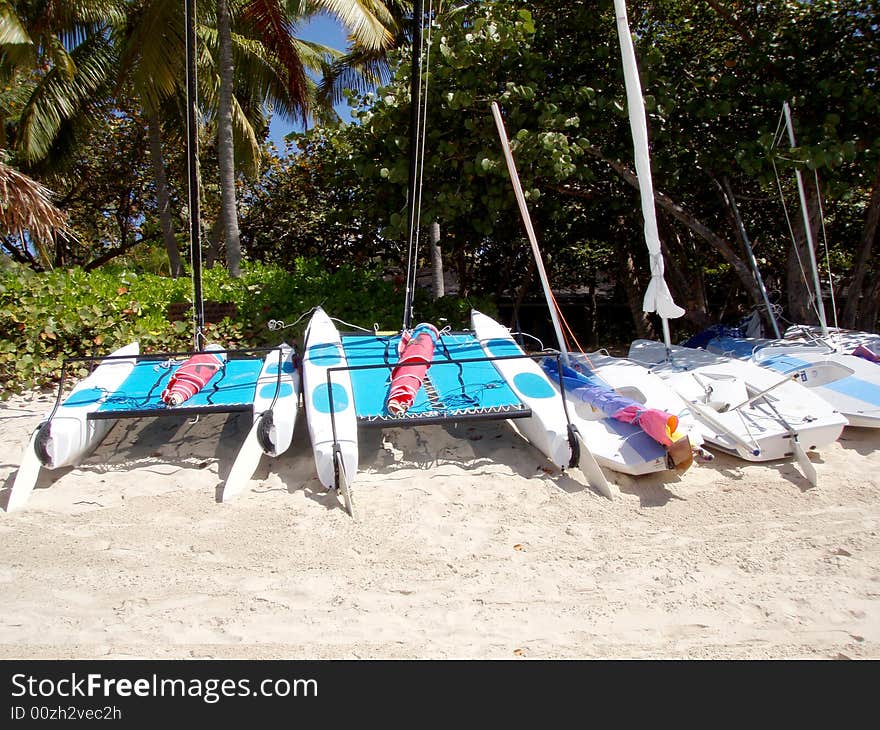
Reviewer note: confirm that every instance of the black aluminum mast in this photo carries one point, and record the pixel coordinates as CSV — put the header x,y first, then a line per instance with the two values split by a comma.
x,y
192,149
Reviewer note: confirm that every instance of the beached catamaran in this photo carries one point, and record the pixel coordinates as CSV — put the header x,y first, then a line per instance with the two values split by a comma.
x,y
127,384
419,375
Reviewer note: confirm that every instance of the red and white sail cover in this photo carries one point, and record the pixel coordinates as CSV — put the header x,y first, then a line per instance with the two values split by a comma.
x,y
416,353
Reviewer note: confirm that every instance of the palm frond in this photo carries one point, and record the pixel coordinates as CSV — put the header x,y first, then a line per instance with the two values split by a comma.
x,y
316,56
12,32
247,146
61,59
276,33
359,70
91,11
153,55
26,210
369,22
57,97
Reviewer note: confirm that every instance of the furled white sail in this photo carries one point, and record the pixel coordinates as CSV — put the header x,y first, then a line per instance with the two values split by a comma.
x,y
658,298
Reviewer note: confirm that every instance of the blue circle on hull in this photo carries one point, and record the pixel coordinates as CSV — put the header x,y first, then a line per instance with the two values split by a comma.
x,y
325,354
321,398
286,367
84,397
268,390
533,385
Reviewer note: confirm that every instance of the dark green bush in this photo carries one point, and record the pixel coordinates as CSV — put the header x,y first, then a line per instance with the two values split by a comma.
x,y
45,318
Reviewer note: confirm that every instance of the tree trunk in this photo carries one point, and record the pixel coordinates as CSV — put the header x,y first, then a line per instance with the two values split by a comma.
x,y
163,199
225,143
682,283
855,302
728,202
802,302
521,293
110,254
464,274
869,312
594,310
634,297
798,293
212,252
436,261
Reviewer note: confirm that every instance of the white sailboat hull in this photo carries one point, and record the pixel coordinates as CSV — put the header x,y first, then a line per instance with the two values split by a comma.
x,y
639,383
329,405
843,340
715,387
620,447
848,383
620,453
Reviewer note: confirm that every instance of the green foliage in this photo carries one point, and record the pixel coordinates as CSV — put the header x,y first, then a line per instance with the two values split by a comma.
x,y
47,317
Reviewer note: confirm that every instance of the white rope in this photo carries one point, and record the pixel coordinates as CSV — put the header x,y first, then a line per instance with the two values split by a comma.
x,y
278,324
354,326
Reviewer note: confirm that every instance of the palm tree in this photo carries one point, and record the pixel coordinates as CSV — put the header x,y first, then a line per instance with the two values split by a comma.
x,y
55,62
364,65
152,64
273,23
251,58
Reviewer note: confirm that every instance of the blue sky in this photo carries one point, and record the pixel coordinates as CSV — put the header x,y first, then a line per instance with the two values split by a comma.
x,y
322,29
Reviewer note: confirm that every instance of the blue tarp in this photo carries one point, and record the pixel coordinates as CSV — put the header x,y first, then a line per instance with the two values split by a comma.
x,y
589,389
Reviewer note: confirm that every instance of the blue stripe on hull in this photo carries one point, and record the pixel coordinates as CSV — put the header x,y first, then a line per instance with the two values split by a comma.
x,y
856,388
851,387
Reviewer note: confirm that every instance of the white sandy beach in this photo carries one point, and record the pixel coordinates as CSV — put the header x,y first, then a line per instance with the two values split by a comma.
x,y
467,546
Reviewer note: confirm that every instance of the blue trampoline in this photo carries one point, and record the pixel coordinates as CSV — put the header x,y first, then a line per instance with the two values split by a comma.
x,y
231,389
461,383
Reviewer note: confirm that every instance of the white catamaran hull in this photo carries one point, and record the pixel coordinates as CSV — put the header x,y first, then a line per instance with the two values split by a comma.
x,y
276,399
329,403
743,409
68,436
546,428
